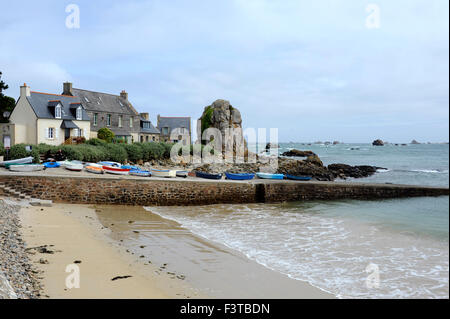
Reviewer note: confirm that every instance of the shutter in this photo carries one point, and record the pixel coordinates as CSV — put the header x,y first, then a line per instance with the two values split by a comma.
x,y
85,134
46,133
56,133
75,132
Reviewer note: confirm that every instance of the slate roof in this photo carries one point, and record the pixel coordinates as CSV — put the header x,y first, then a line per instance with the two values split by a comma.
x,y
151,130
104,102
174,122
44,103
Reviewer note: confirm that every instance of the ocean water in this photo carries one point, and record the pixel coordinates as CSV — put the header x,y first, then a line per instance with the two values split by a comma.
x,y
397,248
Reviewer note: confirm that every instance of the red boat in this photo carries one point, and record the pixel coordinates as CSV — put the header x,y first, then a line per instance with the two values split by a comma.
x,y
116,170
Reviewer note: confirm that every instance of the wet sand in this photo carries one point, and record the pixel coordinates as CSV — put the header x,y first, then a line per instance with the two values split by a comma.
x,y
74,235
214,269
164,259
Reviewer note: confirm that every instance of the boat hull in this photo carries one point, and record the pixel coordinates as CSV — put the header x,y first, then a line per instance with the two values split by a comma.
x,y
52,165
239,177
25,160
94,169
163,173
116,170
269,176
182,174
140,173
74,167
208,176
298,178
26,167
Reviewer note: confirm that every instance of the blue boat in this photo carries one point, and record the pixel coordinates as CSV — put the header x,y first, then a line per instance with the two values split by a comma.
x,y
298,178
208,176
130,167
240,176
270,176
113,164
51,165
138,172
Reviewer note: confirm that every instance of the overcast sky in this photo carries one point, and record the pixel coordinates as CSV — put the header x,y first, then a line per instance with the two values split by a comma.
x,y
313,69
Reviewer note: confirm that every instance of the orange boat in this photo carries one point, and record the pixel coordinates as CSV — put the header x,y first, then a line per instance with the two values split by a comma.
x,y
94,169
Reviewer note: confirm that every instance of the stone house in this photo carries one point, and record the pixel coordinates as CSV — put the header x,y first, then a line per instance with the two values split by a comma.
x,y
114,112
45,118
174,129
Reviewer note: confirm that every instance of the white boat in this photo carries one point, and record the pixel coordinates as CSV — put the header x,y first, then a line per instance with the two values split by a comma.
x,y
93,165
163,172
74,167
64,163
26,167
25,160
116,170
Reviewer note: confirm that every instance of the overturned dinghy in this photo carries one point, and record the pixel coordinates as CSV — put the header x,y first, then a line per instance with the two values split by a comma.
x,y
269,176
116,170
163,172
25,160
94,169
208,175
26,167
239,176
141,173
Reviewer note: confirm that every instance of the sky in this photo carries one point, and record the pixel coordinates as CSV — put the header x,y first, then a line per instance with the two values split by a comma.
x,y
316,70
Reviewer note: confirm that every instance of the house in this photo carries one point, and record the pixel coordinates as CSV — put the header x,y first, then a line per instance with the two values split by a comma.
x,y
148,132
45,118
174,129
114,112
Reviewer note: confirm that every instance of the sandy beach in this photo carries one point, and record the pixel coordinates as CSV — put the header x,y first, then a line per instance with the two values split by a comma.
x,y
105,243
74,236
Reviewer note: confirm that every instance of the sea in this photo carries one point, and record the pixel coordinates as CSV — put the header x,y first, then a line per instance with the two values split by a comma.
x,y
395,248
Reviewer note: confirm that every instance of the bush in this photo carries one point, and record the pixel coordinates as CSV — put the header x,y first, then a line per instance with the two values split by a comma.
x,y
96,142
72,152
134,152
2,149
167,147
18,151
105,134
116,153
92,153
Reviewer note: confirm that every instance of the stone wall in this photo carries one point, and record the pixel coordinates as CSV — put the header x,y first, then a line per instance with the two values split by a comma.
x,y
127,191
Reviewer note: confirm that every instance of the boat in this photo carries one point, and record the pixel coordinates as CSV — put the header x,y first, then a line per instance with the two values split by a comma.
x,y
93,165
240,176
141,173
163,172
64,163
269,176
94,169
182,174
114,164
116,170
129,167
75,167
51,164
25,160
26,167
208,176
298,178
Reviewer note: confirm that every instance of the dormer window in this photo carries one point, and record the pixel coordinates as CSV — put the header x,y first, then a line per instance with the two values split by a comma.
x,y
58,111
79,113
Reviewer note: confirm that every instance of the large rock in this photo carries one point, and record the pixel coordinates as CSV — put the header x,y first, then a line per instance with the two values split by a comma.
x,y
298,153
414,142
378,143
359,171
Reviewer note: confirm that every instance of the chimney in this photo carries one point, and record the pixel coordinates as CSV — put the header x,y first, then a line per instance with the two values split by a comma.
x,y
145,116
25,90
124,95
157,123
67,88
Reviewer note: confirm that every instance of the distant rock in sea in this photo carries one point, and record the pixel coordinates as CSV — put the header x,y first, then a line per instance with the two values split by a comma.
x,y
298,153
378,143
414,142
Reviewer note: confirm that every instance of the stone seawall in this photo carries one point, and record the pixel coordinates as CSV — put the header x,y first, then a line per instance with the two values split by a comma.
x,y
153,191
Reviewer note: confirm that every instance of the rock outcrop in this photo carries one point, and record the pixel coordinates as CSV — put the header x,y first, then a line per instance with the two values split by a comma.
x,y
378,143
414,142
298,153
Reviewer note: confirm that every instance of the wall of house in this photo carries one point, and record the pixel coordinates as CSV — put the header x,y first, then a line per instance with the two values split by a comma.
x,y
7,129
150,137
44,124
101,122
24,120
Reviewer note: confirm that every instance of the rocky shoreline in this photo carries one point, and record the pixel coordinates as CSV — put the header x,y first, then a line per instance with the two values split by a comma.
x,y
18,277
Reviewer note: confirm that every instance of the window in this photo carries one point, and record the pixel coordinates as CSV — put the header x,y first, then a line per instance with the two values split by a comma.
x,y
131,121
95,119
58,111
146,125
79,113
108,120
120,120
51,133
80,132
146,138
153,138
165,130
142,139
